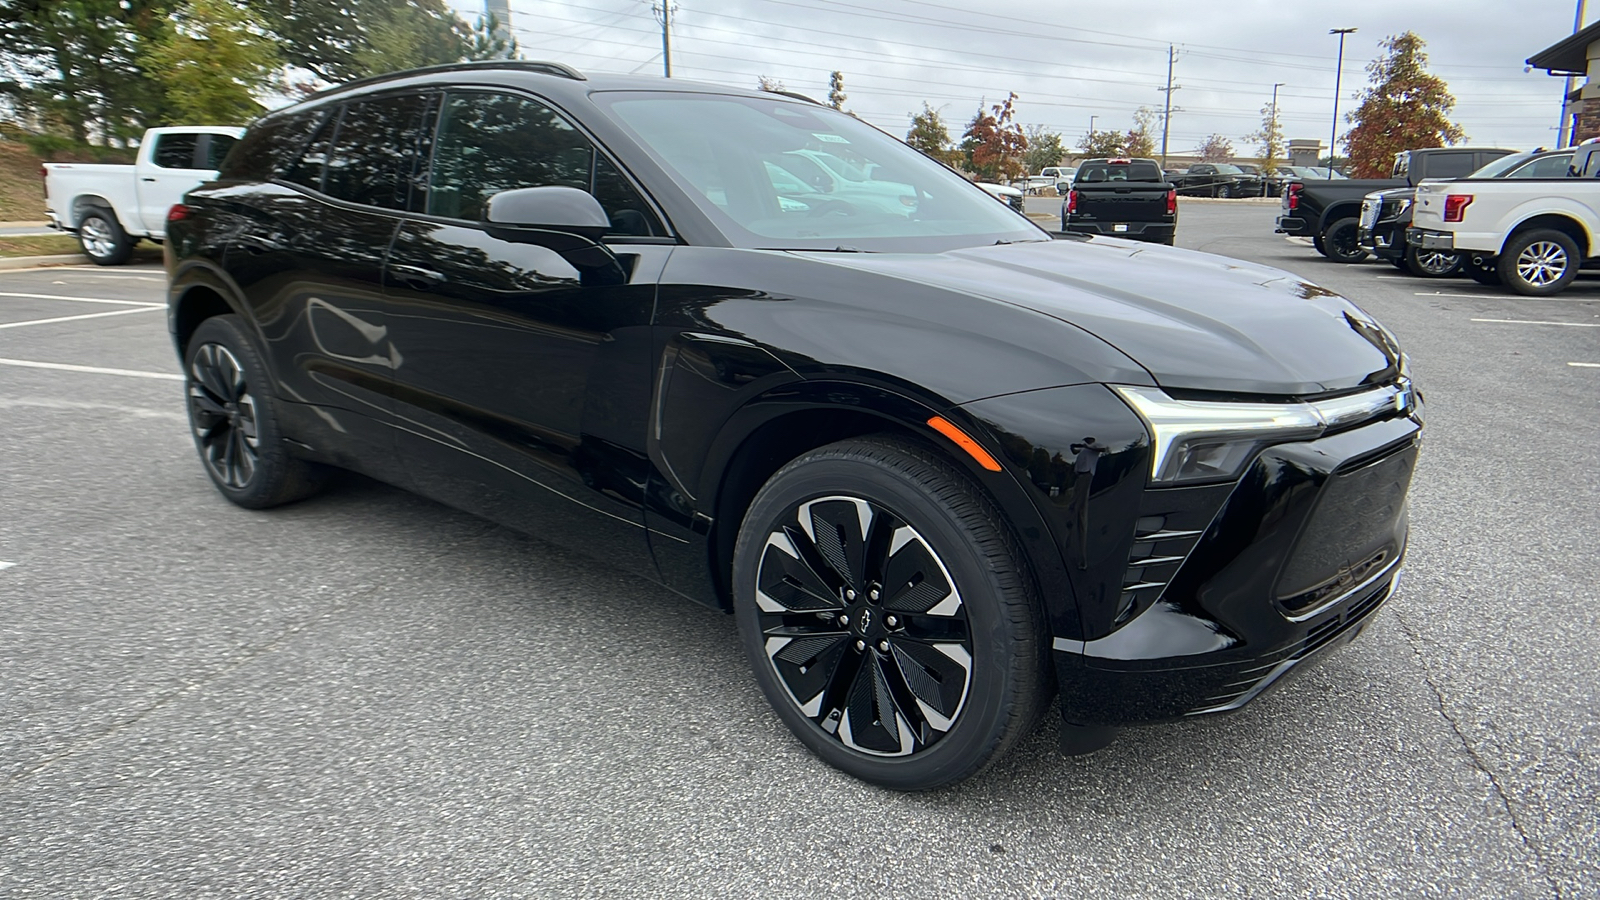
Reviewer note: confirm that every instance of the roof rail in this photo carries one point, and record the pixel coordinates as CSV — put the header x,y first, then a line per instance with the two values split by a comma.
x,y
561,70
792,95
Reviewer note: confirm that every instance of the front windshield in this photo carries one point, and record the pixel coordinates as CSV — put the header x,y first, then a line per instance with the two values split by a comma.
x,y
1226,169
778,174
1502,165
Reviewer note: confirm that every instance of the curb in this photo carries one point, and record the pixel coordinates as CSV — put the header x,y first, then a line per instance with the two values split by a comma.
x,y
31,262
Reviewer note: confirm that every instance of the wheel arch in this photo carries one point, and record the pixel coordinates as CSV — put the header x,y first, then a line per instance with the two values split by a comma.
x,y
195,296
85,202
1343,209
1554,221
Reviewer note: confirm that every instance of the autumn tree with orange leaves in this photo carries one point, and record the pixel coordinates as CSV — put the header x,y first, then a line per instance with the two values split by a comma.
x,y
1405,108
994,143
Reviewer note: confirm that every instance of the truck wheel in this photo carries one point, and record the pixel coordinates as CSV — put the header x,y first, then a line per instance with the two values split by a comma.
x,y
1316,242
1539,263
102,238
1431,263
1340,241
1224,192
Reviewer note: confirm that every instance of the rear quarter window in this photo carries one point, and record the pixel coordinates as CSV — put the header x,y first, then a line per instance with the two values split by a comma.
x,y
269,147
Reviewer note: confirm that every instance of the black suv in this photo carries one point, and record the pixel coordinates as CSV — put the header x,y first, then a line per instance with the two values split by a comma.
x,y
936,462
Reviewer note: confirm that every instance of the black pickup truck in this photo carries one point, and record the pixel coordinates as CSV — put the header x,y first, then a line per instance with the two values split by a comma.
x,y
1329,212
1126,198
1385,215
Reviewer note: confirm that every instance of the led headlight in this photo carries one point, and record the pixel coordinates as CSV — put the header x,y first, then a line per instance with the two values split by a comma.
x,y
1206,440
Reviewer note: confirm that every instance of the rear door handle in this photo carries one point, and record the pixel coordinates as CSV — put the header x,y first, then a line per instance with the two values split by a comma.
x,y
149,179
417,277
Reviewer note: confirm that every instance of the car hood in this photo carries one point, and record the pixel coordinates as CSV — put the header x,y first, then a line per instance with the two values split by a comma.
x,y
1194,321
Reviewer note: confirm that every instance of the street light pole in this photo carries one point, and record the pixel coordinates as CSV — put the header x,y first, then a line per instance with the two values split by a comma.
x,y
1272,130
1337,73
1091,126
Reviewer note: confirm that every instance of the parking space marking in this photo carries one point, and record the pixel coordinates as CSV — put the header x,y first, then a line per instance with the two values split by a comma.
x,y
1507,297
114,312
1509,322
1584,365
6,565
93,370
79,299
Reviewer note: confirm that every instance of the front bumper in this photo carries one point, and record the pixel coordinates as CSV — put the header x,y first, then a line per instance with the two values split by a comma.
x,y
1382,241
1295,562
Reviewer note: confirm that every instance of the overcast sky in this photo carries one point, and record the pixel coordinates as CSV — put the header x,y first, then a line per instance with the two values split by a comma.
x,y
1100,59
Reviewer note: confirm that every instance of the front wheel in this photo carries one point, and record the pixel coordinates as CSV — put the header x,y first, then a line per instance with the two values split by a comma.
x,y
1432,263
102,238
1224,192
1539,263
234,423
1341,241
888,614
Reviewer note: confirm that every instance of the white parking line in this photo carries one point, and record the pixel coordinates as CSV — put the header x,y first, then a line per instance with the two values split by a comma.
x,y
1585,365
115,312
1507,297
93,370
6,565
79,299
1511,322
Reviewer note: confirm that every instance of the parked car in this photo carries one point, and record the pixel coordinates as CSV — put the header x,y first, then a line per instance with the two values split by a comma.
x,y
1058,173
1005,193
936,462
1328,210
110,207
1530,234
1215,180
1121,198
1385,215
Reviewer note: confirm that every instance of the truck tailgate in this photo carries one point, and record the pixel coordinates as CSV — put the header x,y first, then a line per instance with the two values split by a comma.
x,y
1121,203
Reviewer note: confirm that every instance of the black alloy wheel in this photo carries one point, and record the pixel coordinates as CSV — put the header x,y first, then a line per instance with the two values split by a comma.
x,y
102,238
886,615
1224,191
234,426
1341,241
1432,263
1539,263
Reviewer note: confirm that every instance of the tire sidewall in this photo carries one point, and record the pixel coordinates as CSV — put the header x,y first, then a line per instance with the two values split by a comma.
x,y
272,460
1511,278
983,717
1331,244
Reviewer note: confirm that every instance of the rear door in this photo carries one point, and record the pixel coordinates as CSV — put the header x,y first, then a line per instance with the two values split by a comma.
x,y
522,385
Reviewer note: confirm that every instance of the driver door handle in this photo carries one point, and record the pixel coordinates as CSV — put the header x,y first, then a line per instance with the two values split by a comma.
x,y
417,277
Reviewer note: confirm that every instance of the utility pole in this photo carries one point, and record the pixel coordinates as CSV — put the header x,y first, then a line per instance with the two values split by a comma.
x,y
1337,72
1166,112
1091,126
663,11
1566,119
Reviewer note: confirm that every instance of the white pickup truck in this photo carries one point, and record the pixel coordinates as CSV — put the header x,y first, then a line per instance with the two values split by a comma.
x,y
1529,234
110,207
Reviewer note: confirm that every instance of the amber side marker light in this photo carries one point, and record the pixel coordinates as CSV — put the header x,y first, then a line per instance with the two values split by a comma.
x,y
948,429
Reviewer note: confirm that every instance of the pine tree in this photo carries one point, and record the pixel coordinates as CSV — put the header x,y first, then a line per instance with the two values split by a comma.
x,y
1404,108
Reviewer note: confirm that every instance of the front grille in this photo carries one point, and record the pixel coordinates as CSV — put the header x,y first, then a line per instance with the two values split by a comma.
x,y
1260,675
1370,208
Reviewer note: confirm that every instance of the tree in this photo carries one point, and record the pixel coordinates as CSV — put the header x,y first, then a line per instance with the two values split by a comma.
x,y
1044,148
1268,139
1215,149
836,94
930,135
1102,143
212,58
1141,138
994,143
398,36
770,84
1404,108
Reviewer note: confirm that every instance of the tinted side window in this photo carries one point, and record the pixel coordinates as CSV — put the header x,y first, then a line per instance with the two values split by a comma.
x,y
308,167
269,146
175,151
489,143
374,155
1546,167
1449,165
217,149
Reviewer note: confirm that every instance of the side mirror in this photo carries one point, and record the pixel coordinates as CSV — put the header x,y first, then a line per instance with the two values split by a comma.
x,y
566,220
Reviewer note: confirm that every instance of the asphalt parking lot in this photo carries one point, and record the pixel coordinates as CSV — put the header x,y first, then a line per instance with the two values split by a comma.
x,y
369,695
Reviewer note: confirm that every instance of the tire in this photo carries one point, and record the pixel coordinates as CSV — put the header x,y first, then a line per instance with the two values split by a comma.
x,y
1432,263
1339,241
102,238
1539,263
958,653
1224,192
229,397
1316,242
1482,271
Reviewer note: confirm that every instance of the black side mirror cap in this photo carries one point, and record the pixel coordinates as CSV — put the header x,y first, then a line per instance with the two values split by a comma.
x,y
567,220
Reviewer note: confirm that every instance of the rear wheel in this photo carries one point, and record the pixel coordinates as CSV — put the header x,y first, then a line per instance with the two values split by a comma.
x,y
1432,263
1539,263
1316,242
1340,241
102,238
233,421
1224,191
886,611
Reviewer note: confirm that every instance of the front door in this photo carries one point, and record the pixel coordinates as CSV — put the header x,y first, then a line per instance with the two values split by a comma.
x,y
522,386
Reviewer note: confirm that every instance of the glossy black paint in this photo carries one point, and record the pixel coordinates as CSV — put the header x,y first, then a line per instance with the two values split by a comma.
x,y
633,414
